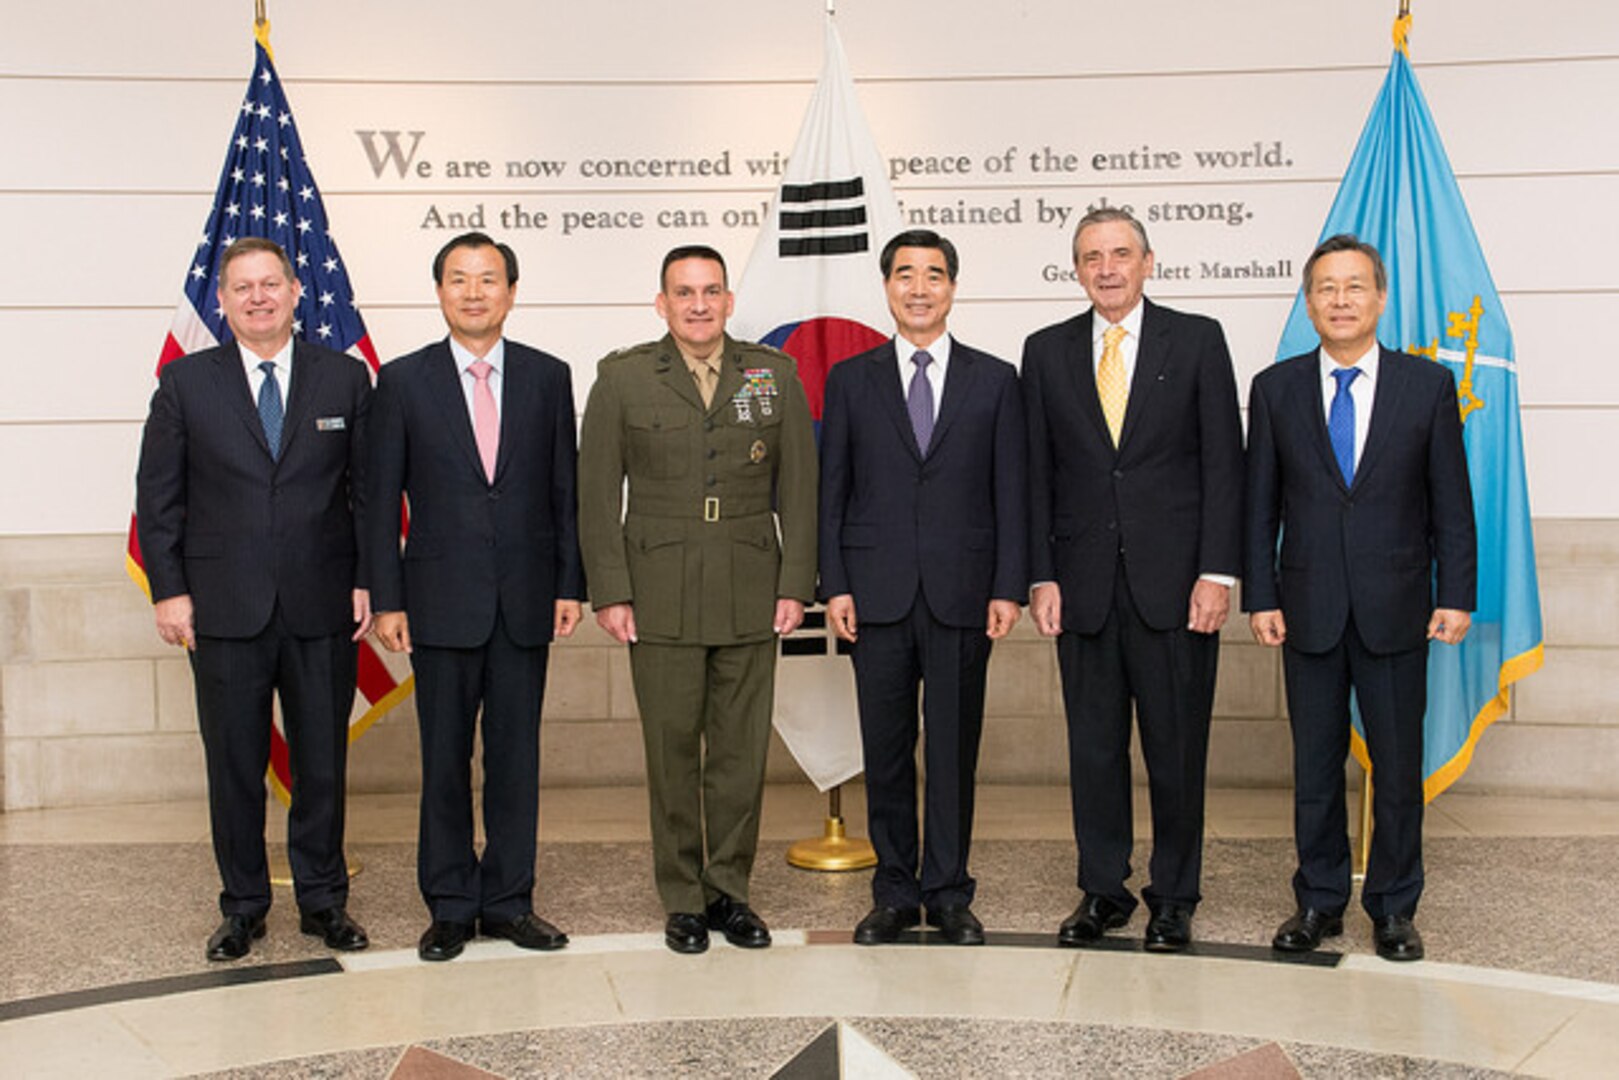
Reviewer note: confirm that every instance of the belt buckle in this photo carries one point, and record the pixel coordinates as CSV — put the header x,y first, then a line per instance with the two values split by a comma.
x,y
711,508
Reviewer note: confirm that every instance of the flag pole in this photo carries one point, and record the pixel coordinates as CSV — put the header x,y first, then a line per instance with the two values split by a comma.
x,y
833,851
1363,842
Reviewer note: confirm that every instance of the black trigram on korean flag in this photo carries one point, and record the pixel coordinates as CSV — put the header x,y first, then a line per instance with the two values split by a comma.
x,y
824,218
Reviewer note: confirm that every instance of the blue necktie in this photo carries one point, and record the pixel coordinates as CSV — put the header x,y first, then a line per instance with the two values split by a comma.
x,y
1341,424
919,401
270,411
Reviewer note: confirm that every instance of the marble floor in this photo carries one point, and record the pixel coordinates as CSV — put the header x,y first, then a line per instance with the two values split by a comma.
x,y
103,912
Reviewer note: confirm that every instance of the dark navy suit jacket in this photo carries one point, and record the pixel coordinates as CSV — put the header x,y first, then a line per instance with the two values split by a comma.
x,y
1388,549
475,546
220,519
950,523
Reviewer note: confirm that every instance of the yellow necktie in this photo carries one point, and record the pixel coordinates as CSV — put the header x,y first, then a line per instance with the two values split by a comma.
x,y
1110,384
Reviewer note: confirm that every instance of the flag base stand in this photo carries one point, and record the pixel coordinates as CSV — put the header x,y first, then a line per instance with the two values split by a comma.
x,y
281,870
833,851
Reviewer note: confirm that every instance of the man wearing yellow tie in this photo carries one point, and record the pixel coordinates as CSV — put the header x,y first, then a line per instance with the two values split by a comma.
x,y
1135,474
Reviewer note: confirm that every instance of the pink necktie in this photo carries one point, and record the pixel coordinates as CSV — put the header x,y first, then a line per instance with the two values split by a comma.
x,y
485,420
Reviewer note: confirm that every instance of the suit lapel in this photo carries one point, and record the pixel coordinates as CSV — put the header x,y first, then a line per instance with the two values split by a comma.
x,y
307,373
516,388
1305,401
958,388
672,372
444,390
234,391
1082,369
729,384
1388,396
1152,354
882,374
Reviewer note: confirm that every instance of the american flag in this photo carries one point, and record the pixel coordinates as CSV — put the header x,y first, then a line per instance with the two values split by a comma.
x,y
267,189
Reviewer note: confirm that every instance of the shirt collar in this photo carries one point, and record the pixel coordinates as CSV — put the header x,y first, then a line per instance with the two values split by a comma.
x,y
1131,323
495,357
282,359
1367,364
938,350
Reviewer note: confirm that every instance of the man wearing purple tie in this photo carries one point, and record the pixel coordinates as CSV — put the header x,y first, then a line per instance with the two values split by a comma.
x,y
923,567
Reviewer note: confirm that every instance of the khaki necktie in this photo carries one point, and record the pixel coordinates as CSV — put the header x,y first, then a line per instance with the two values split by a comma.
x,y
1110,384
707,379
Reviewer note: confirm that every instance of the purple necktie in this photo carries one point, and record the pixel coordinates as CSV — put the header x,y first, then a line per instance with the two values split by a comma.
x,y
919,401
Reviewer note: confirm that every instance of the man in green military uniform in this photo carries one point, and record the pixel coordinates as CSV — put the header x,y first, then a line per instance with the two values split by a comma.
x,y
711,557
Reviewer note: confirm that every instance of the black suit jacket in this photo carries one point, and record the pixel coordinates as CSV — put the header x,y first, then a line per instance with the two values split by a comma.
x,y
474,547
1390,548
950,523
239,531
1169,497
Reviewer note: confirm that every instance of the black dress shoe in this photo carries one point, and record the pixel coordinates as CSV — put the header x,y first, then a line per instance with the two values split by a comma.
x,y
882,925
235,937
1396,938
527,931
1304,931
1094,916
334,927
686,933
739,923
1169,929
957,924
444,940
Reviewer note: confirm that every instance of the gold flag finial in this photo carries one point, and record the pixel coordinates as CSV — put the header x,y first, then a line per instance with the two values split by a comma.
x,y
261,28
1402,28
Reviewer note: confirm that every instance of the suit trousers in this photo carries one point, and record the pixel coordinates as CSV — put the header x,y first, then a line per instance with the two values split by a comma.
x,y
508,681
949,663
1170,676
236,682
705,721
1392,692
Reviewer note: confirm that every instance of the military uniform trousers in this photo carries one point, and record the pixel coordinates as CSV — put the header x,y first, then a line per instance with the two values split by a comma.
x,y
705,718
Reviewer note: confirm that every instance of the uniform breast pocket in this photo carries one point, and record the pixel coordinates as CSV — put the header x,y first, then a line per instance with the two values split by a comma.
x,y
755,435
656,437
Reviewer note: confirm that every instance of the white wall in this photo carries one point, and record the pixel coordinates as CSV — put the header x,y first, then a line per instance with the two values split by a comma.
x,y
114,118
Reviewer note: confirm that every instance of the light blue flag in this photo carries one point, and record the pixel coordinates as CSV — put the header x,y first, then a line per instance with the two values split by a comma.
x,y
1400,195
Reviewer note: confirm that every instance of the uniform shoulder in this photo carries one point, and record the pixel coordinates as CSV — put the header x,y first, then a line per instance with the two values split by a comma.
x,y
626,357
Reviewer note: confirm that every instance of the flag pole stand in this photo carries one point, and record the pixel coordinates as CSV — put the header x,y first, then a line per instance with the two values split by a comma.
x,y
1363,842
833,851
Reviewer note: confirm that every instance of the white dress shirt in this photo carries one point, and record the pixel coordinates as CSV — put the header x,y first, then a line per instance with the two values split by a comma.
x,y
1129,345
1362,391
939,350
255,377
464,360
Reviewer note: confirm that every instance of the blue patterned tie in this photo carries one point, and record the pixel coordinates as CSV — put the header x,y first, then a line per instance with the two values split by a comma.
x,y
919,400
1341,424
270,412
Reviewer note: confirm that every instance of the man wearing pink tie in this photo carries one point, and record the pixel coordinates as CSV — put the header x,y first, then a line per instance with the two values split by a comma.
x,y
478,433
